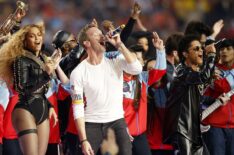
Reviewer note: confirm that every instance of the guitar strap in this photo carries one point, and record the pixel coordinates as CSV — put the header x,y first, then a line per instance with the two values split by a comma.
x,y
38,61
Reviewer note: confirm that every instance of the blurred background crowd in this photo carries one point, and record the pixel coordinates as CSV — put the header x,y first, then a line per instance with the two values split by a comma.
x,y
163,16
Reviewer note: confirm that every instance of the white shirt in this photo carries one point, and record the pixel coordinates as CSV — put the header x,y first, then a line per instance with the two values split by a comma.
x,y
102,85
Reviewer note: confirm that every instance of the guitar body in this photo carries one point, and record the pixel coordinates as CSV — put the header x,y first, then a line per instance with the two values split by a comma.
x,y
211,109
204,128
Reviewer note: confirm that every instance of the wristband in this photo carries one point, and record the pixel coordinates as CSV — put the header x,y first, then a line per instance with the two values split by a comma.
x,y
81,142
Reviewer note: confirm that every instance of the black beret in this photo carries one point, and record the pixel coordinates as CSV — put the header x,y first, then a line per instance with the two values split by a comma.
x,y
60,38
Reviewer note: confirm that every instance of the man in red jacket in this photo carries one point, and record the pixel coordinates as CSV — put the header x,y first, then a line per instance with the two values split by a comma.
x,y
220,138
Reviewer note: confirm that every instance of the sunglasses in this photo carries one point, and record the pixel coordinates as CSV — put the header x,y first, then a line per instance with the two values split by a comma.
x,y
196,48
67,43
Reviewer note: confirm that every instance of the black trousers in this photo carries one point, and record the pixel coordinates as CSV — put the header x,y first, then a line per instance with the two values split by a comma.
x,y
72,143
11,147
187,147
140,145
96,132
52,149
0,149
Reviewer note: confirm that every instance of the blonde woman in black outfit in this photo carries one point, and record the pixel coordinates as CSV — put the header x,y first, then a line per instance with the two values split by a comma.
x,y
23,65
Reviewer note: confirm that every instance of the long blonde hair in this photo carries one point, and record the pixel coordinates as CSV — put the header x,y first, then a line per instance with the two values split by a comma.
x,y
12,49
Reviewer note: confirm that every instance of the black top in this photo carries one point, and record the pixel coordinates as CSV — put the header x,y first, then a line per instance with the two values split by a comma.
x,y
183,110
71,60
30,79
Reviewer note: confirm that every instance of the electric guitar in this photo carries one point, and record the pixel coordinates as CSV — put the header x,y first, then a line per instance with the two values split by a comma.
x,y
211,109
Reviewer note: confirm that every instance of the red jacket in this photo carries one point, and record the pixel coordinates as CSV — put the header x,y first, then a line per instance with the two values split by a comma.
x,y
155,128
223,117
9,131
137,119
155,138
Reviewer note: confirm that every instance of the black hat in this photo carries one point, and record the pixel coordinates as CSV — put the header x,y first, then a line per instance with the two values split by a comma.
x,y
60,38
136,48
226,43
141,34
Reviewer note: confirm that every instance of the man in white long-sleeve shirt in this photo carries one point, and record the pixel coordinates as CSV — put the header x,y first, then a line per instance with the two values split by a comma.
x,y
101,80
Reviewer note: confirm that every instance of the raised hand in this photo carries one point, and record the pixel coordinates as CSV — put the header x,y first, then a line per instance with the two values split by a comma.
x,y
157,42
136,10
56,57
217,28
49,67
107,26
51,63
20,14
114,40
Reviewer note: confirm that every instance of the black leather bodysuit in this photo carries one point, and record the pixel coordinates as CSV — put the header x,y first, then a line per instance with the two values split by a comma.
x,y
31,82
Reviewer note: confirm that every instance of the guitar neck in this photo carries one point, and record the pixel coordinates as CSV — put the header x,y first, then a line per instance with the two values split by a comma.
x,y
210,109
215,105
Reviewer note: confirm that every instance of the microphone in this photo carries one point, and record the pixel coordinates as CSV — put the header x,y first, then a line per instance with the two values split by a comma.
x,y
118,30
219,41
216,43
